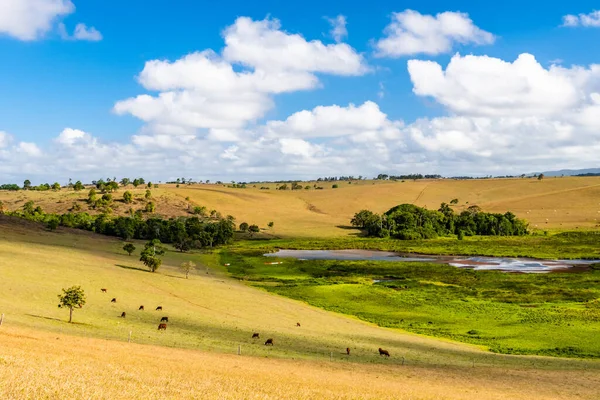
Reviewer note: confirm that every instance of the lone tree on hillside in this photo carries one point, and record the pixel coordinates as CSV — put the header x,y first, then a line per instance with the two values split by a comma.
x,y
244,226
129,248
540,177
187,267
150,255
253,229
127,197
78,186
271,224
71,298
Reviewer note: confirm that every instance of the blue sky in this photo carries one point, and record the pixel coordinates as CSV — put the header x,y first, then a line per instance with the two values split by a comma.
x,y
57,80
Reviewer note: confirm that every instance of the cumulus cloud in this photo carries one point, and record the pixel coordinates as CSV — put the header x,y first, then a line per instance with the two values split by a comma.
x,y
31,19
338,28
587,20
5,139
413,33
205,90
81,32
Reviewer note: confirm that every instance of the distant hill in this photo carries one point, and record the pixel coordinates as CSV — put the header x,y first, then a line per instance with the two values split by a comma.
x,y
571,172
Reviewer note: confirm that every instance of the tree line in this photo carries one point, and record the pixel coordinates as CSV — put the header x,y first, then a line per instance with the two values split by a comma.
x,y
184,233
408,222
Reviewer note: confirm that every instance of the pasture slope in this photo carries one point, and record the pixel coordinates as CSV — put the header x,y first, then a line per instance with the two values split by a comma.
x,y
210,315
553,204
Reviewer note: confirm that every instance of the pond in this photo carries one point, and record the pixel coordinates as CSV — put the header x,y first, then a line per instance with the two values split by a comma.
x,y
505,264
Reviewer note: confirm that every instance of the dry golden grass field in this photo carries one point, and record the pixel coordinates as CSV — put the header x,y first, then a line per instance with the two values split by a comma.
x,y
210,315
550,204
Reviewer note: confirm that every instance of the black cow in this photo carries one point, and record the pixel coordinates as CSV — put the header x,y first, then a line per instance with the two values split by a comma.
x,y
103,290
383,352
123,314
255,335
113,300
269,341
141,308
159,308
164,319
348,350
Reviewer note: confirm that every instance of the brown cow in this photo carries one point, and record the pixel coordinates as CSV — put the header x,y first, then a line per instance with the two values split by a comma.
x,y
103,290
164,319
269,341
383,352
123,314
255,335
298,324
141,308
348,350
162,327
159,308
113,300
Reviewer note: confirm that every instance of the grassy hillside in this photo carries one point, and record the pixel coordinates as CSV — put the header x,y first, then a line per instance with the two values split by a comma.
x,y
37,365
550,204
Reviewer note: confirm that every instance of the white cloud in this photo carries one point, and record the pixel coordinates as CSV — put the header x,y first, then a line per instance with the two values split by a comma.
x,y
70,137
5,139
413,33
31,19
486,86
335,121
203,90
29,149
338,28
588,20
82,32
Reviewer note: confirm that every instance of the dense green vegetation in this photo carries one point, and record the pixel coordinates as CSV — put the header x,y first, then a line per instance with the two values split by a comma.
x,y
407,221
554,314
185,233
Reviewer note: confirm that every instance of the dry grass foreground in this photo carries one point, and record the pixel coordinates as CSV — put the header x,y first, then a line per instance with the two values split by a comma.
x,y
37,365
552,203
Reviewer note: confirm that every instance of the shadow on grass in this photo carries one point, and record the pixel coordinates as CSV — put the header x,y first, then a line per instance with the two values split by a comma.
x,y
57,319
132,268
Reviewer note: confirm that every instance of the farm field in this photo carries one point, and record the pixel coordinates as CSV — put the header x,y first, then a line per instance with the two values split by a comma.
x,y
553,204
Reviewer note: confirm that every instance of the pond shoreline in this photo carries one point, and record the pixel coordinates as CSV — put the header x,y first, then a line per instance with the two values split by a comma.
x,y
478,263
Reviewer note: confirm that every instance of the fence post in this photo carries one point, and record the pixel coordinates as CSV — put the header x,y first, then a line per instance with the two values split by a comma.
x,y
239,349
1,319
129,339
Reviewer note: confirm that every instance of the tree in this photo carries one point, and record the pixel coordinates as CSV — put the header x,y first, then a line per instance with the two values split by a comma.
x,y
111,186
150,255
244,226
28,207
127,197
92,196
56,186
71,298
454,201
334,186
129,248
360,218
125,181
149,185
187,267
27,184
253,229
78,186
1,207
540,177
200,210
148,194
52,223
150,207
271,224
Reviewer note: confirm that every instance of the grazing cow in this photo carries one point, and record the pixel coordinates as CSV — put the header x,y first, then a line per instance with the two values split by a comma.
x,y
255,335
269,341
113,300
141,308
348,350
159,308
383,352
103,290
164,319
298,324
162,327
123,314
